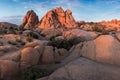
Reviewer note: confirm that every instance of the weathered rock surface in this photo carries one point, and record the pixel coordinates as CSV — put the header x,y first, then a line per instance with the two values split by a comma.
x,y
30,20
47,57
107,49
57,18
29,56
103,49
117,36
77,35
8,69
60,54
84,69
6,25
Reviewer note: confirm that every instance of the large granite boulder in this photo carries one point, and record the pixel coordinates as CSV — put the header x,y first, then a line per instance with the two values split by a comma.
x,y
84,69
104,49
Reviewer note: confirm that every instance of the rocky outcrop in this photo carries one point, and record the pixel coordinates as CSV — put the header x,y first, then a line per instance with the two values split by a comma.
x,y
30,20
6,25
48,57
84,69
57,18
111,25
103,49
8,69
77,35
29,56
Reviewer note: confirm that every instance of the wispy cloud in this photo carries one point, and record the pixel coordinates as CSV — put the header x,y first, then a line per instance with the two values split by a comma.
x,y
42,7
16,19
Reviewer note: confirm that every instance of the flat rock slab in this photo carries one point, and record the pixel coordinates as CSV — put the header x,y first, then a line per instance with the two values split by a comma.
x,y
84,69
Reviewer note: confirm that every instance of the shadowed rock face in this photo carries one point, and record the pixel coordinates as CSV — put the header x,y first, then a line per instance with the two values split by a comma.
x,y
57,18
30,19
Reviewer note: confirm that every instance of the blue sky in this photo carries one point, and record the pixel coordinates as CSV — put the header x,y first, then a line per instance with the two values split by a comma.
x,y
88,10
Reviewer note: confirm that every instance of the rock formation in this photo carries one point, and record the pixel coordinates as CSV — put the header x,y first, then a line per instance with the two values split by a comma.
x,y
77,35
30,20
6,25
103,49
57,18
84,69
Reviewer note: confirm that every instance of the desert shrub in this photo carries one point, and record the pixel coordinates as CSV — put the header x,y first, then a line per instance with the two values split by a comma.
x,y
29,39
5,50
43,35
4,31
104,32
18,40
32,73
54,36
60,44
96,28
35,36
1,43
11,32
11,42
22,43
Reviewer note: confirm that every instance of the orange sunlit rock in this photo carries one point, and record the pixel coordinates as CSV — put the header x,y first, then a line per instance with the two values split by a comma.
x,y
57,18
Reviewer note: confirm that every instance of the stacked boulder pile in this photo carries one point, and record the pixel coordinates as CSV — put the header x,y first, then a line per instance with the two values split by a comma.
x,y
32,54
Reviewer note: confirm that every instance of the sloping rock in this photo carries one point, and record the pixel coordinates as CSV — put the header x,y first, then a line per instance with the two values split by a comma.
x,y
7,49
60,54
47,57
14,56
57,18
107,49
29,56
84,69
104,49
30,20
6,25
117,36
8,69
77,35
81,49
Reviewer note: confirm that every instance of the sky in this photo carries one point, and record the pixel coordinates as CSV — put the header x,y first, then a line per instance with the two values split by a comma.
x,y
88,10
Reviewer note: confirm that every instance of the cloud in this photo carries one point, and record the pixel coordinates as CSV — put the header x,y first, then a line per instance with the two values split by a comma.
x,y
16,19
42,7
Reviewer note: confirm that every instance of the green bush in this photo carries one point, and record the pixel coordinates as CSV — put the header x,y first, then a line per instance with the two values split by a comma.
x,y
60,44
18,40
104,32
29,39
11,42
95,28
34,73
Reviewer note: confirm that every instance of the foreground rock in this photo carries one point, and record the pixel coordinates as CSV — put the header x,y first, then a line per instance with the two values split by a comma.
x,y
104,49
8,69
84,69
29,56
47,57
